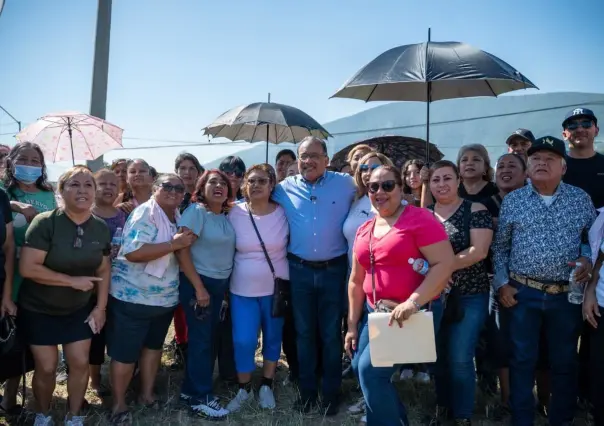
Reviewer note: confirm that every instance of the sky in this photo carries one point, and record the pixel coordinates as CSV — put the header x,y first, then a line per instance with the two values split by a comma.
x,y
176,65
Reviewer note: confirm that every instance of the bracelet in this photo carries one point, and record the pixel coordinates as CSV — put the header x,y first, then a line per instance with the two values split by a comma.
x,y
417,305
100,309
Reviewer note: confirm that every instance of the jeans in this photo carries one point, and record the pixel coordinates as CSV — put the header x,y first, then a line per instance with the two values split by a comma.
x,y
197,381
562,323
384,407
317,309
455,376
596,369
251,314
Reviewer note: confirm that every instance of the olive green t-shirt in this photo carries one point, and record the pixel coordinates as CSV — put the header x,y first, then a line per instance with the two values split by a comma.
x,y
55,233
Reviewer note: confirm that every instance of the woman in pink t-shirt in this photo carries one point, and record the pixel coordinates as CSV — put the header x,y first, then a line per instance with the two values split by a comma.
x,y
397,233
252,283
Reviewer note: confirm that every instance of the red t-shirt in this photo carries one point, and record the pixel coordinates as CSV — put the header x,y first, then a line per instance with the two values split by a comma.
x,y
395,279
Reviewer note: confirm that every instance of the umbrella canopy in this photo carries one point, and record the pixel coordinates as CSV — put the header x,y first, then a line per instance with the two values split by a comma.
x,y
265,121
453,69
72,136
398,148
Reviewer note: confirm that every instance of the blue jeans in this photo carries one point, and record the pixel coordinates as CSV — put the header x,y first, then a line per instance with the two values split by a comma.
x,y
317,306
562,323
455,376
197,381
384,407
251,314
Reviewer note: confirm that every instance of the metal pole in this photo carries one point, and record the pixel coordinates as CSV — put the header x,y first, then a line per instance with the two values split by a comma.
x,y
267,131
10,115
100,73
428,100
70,140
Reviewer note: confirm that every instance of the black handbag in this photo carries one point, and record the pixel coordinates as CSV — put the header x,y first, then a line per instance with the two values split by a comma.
x,y
8,334
282,292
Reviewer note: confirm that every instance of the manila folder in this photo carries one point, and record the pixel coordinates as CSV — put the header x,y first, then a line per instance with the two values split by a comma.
x,y
414,343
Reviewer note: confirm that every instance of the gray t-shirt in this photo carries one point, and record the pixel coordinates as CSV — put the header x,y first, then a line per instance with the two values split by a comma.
x,y
213,252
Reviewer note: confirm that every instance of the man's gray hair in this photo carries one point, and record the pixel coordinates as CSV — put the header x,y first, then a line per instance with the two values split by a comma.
x,y
311,139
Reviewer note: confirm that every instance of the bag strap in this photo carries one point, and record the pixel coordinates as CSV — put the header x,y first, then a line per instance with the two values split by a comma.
x,y
372,262
467,215
268,259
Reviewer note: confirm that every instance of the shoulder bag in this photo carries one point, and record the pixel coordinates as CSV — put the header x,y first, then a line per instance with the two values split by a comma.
x,y
282,291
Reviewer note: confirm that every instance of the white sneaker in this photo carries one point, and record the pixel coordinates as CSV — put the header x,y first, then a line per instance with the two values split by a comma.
x,y
358,407
75,421
406,374
363,419
422,378
243,397
42,420
266,398
211,410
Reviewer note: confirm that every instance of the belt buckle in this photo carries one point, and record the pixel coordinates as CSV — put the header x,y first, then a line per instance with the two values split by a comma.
x,y
552,289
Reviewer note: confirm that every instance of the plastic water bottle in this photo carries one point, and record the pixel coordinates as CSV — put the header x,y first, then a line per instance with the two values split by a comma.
x,y
575,289
420,266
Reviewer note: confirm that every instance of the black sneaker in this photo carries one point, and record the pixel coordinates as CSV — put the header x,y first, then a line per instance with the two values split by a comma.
x,y
329,407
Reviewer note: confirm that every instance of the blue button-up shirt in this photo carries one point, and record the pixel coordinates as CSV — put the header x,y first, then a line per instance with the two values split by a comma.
x,y
536,240
316,212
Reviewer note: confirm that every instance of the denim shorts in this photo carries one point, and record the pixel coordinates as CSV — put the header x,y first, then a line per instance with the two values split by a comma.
x,y
132,327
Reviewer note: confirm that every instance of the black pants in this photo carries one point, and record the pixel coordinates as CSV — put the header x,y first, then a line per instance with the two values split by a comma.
x,y
290,348
596,369
223,349
584,362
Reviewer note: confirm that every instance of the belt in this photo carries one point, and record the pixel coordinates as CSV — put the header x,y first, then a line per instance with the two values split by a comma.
x,y
314,264
553,287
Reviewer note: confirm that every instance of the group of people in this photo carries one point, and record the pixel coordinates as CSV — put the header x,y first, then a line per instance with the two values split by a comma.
x,y
106,262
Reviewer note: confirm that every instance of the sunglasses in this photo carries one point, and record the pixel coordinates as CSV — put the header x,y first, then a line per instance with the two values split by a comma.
x,y
586,124
365,167
387,186
168,187
235,172
77,242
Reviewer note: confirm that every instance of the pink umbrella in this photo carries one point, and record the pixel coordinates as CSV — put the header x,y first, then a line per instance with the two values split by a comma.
x,y
72,135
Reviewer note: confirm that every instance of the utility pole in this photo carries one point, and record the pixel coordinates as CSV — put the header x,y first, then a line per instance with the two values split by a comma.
x,y
100,72
9,114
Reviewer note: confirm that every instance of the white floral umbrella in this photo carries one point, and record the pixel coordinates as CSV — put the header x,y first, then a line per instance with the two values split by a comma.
x,y
72,136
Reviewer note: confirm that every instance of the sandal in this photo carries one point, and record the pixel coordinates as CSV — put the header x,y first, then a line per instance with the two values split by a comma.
x,y
120,419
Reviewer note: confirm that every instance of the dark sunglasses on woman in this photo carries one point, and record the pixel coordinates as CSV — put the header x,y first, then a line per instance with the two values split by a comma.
x,y
387,186
168,187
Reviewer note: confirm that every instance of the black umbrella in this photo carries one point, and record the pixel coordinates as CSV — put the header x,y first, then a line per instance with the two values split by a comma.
x,y
265,121
433,71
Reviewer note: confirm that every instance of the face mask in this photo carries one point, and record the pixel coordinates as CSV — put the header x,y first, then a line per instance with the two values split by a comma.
x,y
27,174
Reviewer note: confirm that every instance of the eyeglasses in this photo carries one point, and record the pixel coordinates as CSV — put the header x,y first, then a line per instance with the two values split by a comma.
x,y
312,156
258,181
77,242
387,186
236,172
168,187
586,124
365,167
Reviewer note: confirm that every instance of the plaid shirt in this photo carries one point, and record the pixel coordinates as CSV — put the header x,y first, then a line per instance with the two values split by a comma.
x,y
536,240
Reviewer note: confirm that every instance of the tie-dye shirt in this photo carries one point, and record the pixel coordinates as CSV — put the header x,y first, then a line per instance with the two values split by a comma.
x,y
129,281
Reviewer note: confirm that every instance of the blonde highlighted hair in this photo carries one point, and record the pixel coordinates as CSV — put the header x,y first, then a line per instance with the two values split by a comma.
x,y
353,151
70,173
361,189
484,154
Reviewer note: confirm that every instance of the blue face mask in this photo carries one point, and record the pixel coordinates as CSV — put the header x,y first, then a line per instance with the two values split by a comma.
x,y
27,174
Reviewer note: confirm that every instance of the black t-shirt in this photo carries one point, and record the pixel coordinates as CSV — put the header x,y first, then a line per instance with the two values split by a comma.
x,y
6,217
489,189
587,174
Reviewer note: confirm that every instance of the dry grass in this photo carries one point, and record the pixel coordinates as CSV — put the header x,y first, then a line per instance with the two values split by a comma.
x,y
417,397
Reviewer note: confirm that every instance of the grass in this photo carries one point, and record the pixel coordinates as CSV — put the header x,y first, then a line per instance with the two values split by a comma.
x,y
418,398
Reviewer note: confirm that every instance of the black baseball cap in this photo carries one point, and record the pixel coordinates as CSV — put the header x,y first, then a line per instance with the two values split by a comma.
x,y
580,113
521,133
548,143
